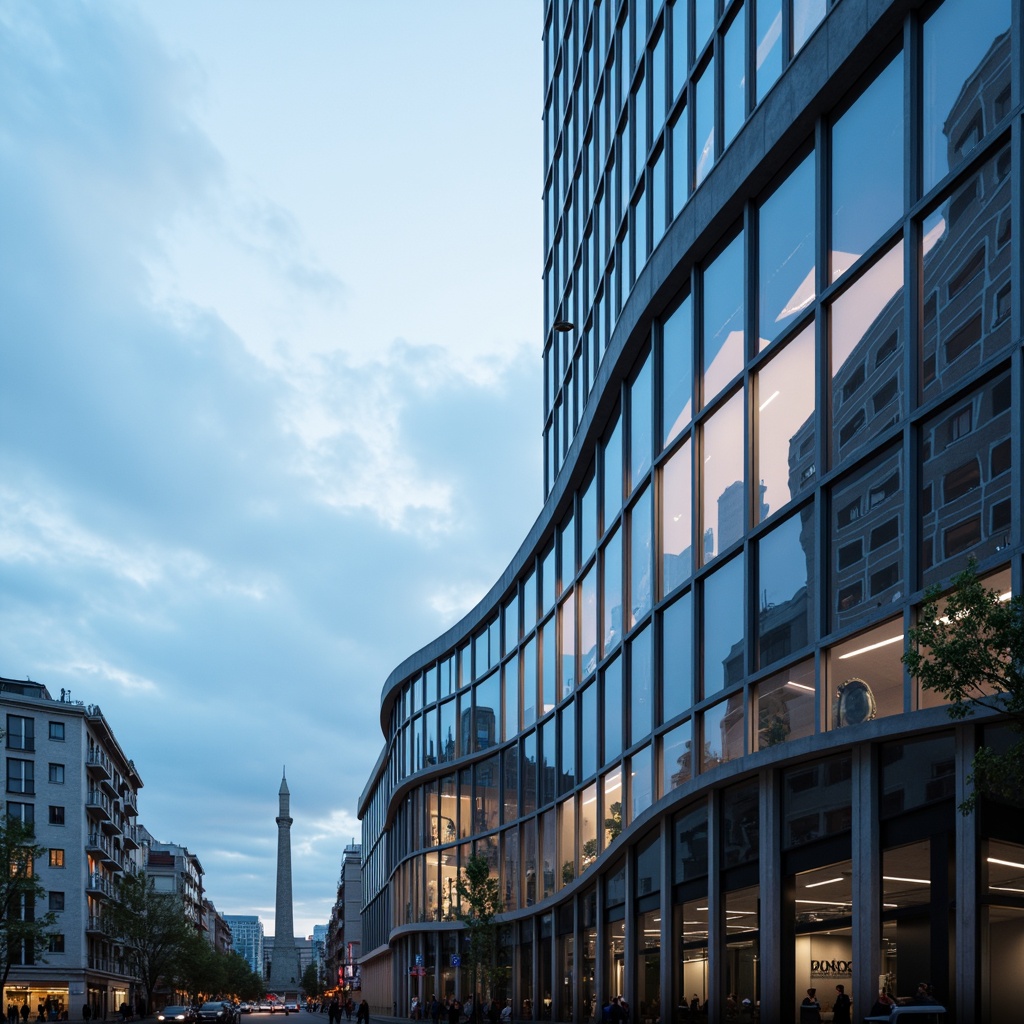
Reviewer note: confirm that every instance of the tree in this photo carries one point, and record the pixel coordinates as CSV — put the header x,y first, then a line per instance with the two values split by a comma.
x,y
24,937
311,983
968,646
153,929
480,895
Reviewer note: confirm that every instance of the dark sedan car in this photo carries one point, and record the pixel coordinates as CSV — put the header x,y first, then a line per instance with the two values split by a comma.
x,y
217,1013
177,1015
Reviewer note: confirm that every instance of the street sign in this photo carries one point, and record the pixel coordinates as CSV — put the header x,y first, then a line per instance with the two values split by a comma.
x,y
456,960
419,959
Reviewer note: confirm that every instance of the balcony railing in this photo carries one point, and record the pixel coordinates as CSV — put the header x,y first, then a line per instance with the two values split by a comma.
x,y
98,883
97,801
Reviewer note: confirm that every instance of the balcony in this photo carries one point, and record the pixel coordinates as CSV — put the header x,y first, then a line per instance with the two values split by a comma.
x,y
99,803
97,843
130,803
108,964
94,925
97,884
130,837
98,764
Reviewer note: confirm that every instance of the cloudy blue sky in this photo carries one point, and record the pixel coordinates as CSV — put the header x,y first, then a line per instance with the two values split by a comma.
x,y
270,322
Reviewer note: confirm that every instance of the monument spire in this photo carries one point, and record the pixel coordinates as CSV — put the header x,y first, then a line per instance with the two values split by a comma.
x,y
284,963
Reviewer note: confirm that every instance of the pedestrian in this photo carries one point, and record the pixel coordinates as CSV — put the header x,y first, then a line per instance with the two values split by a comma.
x,y
493,1012
841,1006
506,1012
363,1013
86,1012
25,1011
810,1008
334,1011
923,996
435,1009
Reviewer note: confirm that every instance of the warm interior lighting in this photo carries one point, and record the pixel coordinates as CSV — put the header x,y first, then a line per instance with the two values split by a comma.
x,y
828,881
895,878
1004,863
1004,888
872,647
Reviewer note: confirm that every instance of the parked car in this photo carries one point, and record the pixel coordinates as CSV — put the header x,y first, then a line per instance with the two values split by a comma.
x,y
179,1014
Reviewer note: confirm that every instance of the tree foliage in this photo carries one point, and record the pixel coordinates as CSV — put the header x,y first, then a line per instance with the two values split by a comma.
x,y
21,930
968,646
480,903
311,983
153,929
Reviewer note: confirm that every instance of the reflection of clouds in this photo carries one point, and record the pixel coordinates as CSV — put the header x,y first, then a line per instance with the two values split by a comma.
x,y
856,310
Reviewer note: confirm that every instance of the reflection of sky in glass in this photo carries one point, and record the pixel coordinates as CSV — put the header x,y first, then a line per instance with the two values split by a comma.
x,y
785,395
613,475
640,424
613,711
705,120
640,590
723,622
858,307
768,58
734,86
782,573
677,370
675,745
806,16
723,471
612,604
956,38
786,243
723,318
676,515
676,652
867,168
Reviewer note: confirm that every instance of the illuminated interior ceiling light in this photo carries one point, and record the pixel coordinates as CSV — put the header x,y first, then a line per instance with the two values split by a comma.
x,y
1004,888
771,398
799,686
828,881
826,903
1004,863
872,647
896,878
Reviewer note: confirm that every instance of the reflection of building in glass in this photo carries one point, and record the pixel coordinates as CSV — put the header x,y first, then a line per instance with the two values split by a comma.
x,y
785,406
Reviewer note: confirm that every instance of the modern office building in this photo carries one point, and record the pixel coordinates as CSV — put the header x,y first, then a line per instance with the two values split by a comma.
x,y
247,939
67,773
782,391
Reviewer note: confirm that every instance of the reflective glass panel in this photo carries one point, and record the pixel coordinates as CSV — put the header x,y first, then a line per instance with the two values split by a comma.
x,y
529,715
567,840
641,790
510,782
612,805
724,514
740,823
641,686
785,424
867,383
588,731
723,732
723,318
966,313
768,58
676,517
588,521
866,676
640,424
588,623
640,590
816,801
567,661
612,708
786,599
806,16
568,554
679,141
704,107
916,773
785,705
680,55
486,720
966,67
548,653
612,475
786,252
967,506
510,675
867,168
567,720
724,614
676,757
611,606
677,371
734,73
690,843
528,774
658,78
588,826
677,657
703,21
867,540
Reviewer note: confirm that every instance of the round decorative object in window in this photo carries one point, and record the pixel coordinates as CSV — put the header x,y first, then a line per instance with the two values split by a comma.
x,y
854,703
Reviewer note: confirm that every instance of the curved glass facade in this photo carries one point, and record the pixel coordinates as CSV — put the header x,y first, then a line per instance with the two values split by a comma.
x,y
782,235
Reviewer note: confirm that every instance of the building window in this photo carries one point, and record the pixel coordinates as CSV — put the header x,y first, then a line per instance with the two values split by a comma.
x,y
56,858
56,943
21,733
56,815
57,731
22,812
20,776
57,774
56,901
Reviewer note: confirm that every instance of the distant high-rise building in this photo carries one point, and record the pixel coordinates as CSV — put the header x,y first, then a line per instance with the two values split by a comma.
x,y
285,972
247,939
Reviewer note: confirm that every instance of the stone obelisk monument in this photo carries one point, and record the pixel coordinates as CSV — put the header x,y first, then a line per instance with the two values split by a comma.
x,y
284,963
